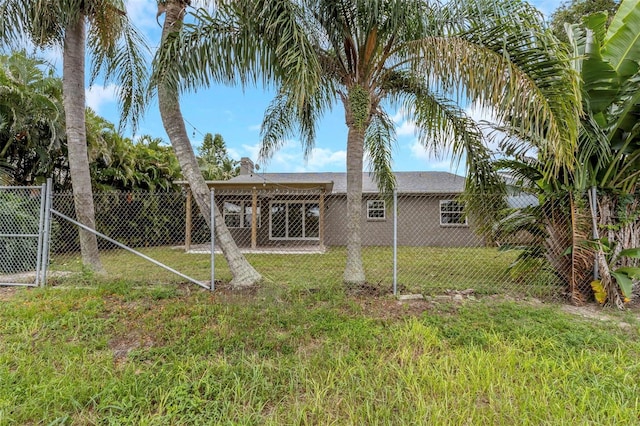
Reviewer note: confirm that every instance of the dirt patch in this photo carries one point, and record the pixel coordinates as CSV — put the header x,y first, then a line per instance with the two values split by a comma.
x,y
121,346
7,293
596,312
391,308
224,288
367,289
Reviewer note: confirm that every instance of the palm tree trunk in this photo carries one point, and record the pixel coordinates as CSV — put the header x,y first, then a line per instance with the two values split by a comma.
x,y
74,109
244,275
354,270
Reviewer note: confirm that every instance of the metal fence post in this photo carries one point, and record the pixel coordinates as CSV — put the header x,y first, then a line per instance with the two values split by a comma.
x,y
395,242
594,219
39,255
213,237
46,244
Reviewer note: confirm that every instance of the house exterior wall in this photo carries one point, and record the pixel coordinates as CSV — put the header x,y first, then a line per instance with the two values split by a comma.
x,y
418,223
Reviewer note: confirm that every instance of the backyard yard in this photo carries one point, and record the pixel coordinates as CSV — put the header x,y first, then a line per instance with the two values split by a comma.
x,y
424,270
300,349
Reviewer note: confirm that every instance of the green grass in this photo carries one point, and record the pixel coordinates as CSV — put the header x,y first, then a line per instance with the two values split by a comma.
x,y
426,270
120,353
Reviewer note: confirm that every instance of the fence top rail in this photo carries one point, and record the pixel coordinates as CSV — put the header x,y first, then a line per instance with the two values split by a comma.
x,y
22,187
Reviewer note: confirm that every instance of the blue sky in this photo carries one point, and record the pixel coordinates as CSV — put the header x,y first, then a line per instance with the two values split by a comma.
x,y
236,114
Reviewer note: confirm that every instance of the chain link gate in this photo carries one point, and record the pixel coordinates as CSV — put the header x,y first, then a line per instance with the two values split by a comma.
x,y
23,246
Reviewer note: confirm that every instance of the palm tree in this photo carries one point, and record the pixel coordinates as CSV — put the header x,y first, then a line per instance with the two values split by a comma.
x,y
116,49
370,55
31,119
606,54
244,275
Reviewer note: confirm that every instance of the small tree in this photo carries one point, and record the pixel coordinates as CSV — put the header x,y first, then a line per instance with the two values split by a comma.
x,y
573,11
214,160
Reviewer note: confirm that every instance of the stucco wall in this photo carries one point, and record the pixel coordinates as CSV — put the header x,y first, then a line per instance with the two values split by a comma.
x,y
418,225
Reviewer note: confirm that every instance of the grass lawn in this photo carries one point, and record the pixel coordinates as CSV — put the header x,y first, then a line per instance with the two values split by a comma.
x,y
426,270
302,351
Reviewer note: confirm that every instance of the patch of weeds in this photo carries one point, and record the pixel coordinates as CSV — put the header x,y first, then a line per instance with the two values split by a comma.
x,y
163,292
305,353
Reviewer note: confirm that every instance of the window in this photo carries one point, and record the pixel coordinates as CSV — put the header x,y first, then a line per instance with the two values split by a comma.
x,y
237,214
375,209
452,213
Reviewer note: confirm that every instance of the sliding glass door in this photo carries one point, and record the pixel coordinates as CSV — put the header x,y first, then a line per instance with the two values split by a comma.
x,y
294,220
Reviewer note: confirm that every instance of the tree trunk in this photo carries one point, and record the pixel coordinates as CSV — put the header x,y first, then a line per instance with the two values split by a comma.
x,y
619,221
74,109
244,275
567,223
354,270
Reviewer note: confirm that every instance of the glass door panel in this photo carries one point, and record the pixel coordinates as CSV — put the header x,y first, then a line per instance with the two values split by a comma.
x,y
311,220
278,220
295,220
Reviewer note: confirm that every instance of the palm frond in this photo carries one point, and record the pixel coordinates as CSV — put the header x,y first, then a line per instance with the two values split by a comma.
x,y
378,144
14,23
242,42
121,53
284,119
496,56
525,173
278,125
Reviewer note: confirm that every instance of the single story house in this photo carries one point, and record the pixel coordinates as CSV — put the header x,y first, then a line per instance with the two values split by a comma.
x,y
281,209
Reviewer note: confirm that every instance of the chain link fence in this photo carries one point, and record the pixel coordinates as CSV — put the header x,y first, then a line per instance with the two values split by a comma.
x,y
21,230
522,244
152,224
416,243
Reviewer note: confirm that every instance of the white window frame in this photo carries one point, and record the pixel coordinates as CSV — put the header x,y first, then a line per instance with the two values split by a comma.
x,y
443,204
244,205
371,208
287,237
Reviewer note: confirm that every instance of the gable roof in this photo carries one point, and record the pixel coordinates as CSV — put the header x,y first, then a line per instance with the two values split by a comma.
x,y
336,183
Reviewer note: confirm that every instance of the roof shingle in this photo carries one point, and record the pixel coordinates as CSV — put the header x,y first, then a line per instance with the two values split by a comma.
x,y
407,182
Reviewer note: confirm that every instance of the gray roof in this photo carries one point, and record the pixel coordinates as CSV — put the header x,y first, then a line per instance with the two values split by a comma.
x,y
407,182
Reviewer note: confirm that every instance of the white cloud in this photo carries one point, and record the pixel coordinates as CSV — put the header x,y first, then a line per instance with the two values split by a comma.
x,y
398,116
404,127
440,162
290,158
407,128
321,158
251,151
234,153
98,95
419,152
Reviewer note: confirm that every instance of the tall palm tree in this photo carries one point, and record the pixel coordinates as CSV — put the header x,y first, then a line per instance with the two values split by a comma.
x,y
229,60
244,275
370,55
117,52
